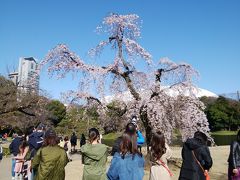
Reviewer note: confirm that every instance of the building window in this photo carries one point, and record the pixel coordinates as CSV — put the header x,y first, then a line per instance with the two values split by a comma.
x,y
31,65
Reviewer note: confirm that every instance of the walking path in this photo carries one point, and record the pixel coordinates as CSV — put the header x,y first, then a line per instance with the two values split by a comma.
x,y
74,168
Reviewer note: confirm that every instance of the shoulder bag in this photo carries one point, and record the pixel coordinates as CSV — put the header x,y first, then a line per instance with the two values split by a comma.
x,y
204,172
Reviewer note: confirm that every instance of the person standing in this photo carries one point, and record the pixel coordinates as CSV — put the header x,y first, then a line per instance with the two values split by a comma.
x,y
14,150
67,147
131,130
1,152
196,158
82,140
20,171
73,142
234,159
159,169
140,138
50,160
94,157
35,139
128,163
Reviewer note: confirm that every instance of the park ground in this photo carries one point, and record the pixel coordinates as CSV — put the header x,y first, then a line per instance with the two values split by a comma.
x,y
74,169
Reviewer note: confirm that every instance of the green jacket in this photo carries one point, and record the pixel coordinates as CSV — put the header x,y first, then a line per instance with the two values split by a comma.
x,y
95,158
49,163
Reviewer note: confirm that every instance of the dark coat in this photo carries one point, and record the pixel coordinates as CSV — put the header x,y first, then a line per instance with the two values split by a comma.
x,y
14,146
190,169
35,142
234,156
73,140
82,141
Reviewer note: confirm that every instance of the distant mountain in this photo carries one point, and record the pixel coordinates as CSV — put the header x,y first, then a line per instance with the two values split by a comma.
x,y
126,96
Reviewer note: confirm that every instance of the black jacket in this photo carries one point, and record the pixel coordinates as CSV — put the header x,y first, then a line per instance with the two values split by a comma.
x,y
234,156
14,146
190,169
82,141
35,142
73,140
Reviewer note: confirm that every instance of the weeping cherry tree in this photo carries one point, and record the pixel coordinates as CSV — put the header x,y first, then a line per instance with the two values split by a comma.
x,y
160,94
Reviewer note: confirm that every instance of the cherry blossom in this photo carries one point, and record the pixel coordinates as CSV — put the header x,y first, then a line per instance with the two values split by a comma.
x,y
146,89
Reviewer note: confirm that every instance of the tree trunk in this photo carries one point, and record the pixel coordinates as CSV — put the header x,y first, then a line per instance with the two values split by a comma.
x,y
148,129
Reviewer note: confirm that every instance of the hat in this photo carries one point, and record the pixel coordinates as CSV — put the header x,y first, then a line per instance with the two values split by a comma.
x,y
134,120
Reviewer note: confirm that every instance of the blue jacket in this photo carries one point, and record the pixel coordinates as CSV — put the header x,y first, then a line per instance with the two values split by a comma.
x,y
14,146
140,138
35,142
129,168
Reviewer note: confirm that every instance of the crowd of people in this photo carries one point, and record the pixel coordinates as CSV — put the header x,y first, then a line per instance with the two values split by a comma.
x,y
40,154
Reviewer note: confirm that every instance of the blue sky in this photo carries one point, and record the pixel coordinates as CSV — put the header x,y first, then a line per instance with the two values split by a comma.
x,y
205,34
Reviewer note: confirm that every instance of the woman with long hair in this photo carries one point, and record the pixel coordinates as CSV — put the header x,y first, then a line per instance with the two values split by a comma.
x,y
94,157
234,159
131,129
159,169
50,160
129,163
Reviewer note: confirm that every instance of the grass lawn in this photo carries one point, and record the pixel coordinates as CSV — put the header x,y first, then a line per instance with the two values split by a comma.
x,y
112,135
224,133
110,138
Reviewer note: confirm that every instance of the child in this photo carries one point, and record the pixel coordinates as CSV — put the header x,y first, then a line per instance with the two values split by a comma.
x,y
19,173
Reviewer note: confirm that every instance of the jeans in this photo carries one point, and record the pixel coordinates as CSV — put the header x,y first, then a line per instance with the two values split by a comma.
x,y
13,166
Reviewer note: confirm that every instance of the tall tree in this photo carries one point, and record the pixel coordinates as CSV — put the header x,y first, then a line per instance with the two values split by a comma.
x,y
57,110
156,90
18,108
222,113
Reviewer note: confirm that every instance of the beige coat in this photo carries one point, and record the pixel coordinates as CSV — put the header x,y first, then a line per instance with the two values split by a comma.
x,y
159,172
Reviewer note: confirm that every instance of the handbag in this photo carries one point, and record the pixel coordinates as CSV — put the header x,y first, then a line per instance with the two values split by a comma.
x,y
237,176
207,177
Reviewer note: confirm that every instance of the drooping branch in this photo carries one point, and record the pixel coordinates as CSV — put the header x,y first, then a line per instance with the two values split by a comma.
x,y
151,101
62,60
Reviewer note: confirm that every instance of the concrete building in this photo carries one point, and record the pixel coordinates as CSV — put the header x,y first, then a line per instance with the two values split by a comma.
x,y
26,78
14,77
